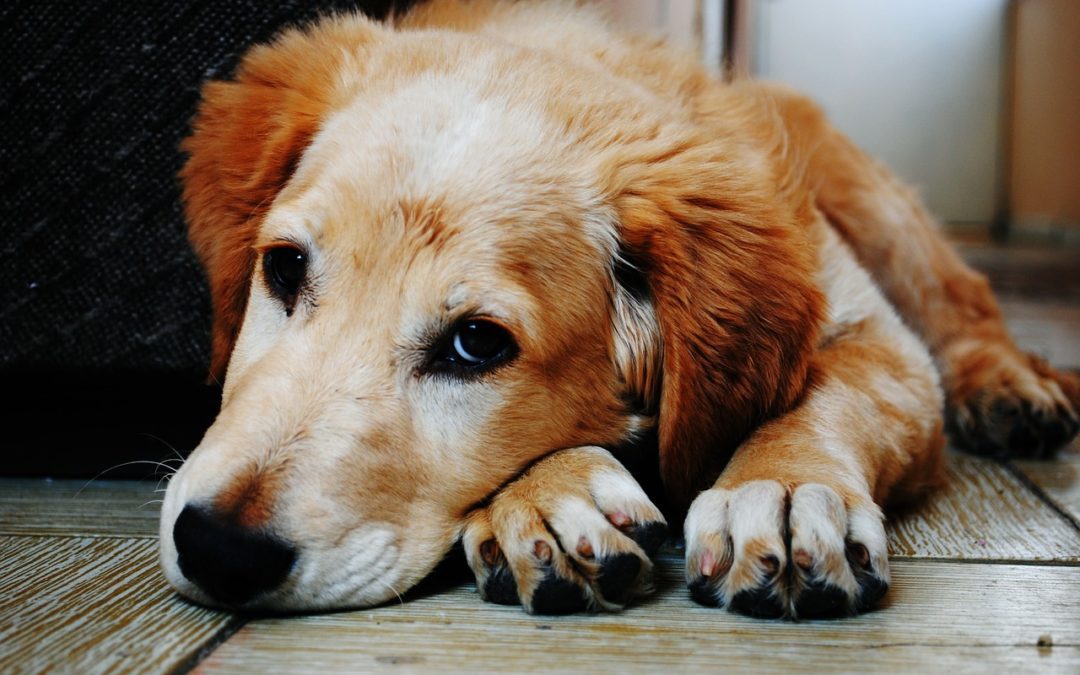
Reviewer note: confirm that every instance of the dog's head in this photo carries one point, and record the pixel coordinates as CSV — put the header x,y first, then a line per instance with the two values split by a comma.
x,y
435,259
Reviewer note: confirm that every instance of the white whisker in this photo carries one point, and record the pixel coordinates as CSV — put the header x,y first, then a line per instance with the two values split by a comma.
x,y
169,469
170,446
392,590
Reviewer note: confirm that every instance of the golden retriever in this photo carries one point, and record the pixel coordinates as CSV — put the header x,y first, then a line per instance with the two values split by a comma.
x,y
468,264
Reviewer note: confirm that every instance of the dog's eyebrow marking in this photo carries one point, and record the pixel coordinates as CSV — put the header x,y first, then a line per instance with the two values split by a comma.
x,y
424,220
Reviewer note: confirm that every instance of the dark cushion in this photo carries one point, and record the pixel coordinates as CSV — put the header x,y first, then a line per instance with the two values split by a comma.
x,y
103,308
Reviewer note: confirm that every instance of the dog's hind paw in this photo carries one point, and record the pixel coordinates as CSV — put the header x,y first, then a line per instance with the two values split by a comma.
x,y
1004,403
575,532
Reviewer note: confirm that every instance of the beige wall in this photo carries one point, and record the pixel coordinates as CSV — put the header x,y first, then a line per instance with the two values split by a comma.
x,y
1045,167
916,83
678,20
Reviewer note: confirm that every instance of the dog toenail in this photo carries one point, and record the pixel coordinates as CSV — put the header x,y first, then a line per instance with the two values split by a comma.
x,y
490,552
771,564
619,519
542,550
708,564
858,554
803,559
584,548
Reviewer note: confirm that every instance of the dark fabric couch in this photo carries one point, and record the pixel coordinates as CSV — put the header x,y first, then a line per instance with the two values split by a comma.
x,y
104,314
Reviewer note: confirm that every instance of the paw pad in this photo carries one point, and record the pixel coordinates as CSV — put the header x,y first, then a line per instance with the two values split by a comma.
x,y
760,602
501,588
617,576
649,536
556,595
820,598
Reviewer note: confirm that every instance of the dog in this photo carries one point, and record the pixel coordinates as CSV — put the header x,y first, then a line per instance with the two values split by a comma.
x,y
469,264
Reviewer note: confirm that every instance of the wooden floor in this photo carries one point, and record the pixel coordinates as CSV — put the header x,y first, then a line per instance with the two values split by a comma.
x,y
986,578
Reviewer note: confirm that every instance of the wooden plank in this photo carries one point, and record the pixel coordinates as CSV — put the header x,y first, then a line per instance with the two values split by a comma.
x,y
940,617
79,507
1058,479
983,512
91,605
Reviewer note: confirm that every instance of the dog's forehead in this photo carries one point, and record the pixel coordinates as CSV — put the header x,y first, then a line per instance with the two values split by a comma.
x,y
444,163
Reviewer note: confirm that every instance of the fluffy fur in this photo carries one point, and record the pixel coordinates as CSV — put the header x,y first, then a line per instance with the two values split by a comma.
x,y
709,265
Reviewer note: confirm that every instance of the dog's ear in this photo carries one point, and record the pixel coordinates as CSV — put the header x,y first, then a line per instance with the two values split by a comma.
x,y
728,270
248,136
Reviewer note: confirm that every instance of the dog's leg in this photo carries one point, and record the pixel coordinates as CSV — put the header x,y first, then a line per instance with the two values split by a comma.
x,y
574,532
999,399
793,526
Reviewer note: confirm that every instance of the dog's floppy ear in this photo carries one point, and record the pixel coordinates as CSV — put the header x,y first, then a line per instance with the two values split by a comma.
x,y
248,136
729,273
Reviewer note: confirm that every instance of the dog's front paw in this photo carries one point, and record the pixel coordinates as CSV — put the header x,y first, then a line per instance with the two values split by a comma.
x,y
765,551
1002,402
575,532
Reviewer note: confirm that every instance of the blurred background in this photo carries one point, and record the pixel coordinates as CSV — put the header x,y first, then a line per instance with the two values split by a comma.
x,y
974,102
104,314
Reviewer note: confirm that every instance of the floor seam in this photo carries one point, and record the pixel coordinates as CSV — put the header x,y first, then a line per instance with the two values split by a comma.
x,y
209,646
1037,490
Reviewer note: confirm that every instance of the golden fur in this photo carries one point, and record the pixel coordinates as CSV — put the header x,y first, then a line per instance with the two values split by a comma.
x,y
669,254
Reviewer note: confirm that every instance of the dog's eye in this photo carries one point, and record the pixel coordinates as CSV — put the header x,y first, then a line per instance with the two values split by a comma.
x,y
474,346
479,341
285,268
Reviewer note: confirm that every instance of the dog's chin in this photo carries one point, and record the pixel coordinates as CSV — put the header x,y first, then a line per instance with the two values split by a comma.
x,y
291,602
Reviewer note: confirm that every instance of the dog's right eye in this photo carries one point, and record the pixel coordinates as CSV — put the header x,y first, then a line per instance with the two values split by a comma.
x,y
285,268
473,347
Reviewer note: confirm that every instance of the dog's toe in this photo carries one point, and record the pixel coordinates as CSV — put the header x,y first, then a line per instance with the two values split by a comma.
x,y
735,552
498,585
583,541
739,542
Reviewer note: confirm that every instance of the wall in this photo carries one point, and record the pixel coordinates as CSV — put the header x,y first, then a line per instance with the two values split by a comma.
x,y
916,83
680,21
1045,172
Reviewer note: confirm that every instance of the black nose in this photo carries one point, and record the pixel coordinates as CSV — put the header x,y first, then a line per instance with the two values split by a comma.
x,y
231,563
